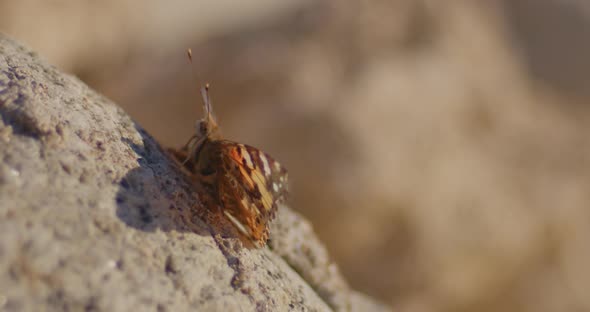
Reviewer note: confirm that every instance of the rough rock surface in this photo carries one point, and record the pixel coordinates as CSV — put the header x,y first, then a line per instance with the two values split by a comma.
x,y
95,216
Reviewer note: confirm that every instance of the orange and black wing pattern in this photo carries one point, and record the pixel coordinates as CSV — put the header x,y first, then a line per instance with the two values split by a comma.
x,y
250,185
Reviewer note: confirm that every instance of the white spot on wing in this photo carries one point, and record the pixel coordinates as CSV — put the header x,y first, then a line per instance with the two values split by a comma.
x,y
265,165
247,158
242,228
275,187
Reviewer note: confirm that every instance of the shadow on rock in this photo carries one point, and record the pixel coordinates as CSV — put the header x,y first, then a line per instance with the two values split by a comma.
x,y
156,195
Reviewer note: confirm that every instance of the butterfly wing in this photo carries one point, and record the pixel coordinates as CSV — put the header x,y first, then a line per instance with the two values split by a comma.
x,y
250,184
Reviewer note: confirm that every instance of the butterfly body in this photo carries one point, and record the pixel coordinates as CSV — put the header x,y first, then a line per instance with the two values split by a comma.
x,y
245,183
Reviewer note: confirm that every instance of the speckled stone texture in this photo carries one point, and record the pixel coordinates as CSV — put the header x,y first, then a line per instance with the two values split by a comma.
x,y
95,216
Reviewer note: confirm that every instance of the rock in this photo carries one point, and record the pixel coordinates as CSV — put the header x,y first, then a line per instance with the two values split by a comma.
x,y
95,216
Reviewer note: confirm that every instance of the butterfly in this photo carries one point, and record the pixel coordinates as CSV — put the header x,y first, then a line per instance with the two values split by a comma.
x,y
245,183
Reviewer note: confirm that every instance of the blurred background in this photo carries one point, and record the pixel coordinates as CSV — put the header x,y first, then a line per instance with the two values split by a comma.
x,y
440,148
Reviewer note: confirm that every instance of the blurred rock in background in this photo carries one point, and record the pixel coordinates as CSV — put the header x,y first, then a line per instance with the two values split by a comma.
x,y
440,149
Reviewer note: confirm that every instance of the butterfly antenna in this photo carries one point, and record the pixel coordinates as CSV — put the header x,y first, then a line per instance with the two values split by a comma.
x,y
195,76
189,53
206,101
204,89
